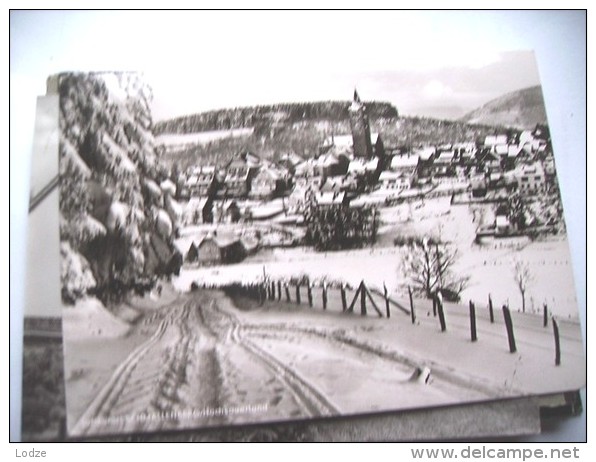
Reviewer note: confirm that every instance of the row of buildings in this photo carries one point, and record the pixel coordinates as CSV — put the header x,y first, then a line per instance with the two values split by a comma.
x,y
348,166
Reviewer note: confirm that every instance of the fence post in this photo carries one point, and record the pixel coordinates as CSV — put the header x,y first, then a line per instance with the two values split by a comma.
x,y
509,327
386,294
298,293
362,299
557,343
441,314
287,287
324,295
344,303
412,313
473,321
490,309
261,294
545,316
273,290
435,306
278,290
309,293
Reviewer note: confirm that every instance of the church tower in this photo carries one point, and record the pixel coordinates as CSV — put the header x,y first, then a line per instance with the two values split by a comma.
x,y
360,128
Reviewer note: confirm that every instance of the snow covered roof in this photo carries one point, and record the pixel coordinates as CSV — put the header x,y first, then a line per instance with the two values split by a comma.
x,y
425,153
514,150
360,165
293,158
345,141
197,202
493,140
389,175
409,161
532,169
330,198
445,157
220,241
502,221
468,146
502,149
269,173
327,160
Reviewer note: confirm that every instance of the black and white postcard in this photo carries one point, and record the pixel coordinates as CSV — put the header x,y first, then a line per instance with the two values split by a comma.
x,y
388,241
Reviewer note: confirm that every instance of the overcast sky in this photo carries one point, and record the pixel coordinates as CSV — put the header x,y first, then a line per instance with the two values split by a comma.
x,y
445,92
430,63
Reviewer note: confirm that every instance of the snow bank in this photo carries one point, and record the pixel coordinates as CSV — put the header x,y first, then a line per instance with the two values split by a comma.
x,y
88,319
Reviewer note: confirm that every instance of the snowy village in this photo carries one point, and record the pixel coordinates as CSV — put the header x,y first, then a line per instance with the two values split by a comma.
x,y
236,266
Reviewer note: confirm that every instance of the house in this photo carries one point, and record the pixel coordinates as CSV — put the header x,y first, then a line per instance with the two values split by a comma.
x,y
209,252
488,161
227,211
549,167
366,170
343,143
479,186
501,150
312,183
214,250
236,181
502,225
203,182
329,199
192,255
298,198
513,156
198,210
239,173
269,182
531,179
443,164
339,183
390,180
465,150
494,140
331,164
305,169
290,161
408,165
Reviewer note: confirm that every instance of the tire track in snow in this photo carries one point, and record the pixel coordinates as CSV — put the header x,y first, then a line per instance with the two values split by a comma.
x,y
111,394
309,398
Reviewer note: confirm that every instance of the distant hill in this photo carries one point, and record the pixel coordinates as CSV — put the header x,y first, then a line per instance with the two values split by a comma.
x,y
520,109
262,118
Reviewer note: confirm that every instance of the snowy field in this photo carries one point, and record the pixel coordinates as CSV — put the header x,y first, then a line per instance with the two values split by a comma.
x,y
490,267
208,352
171,140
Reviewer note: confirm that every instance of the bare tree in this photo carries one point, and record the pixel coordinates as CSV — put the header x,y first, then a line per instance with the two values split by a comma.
x,y
428,268
523,278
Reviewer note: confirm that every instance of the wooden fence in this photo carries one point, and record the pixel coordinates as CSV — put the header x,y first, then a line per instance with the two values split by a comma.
x,y
369,300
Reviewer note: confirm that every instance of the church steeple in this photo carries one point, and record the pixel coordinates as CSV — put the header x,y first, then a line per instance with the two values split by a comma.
x,y
360,128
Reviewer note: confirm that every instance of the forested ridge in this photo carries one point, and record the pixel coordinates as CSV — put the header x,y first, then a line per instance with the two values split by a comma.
x,y
253,116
